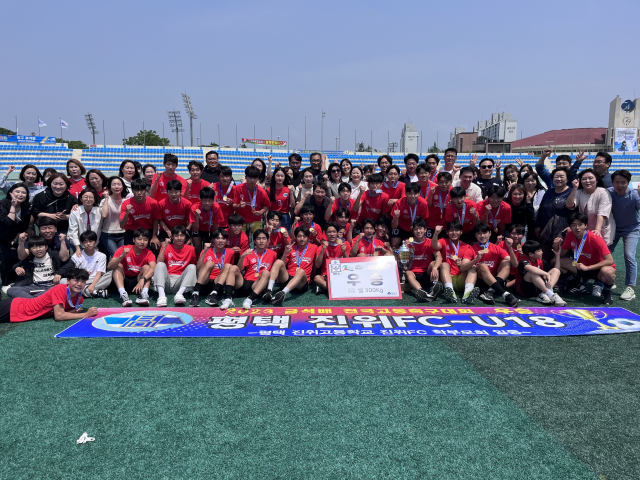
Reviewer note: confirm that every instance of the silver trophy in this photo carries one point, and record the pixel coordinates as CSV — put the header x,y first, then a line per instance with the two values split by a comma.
x,y
404,254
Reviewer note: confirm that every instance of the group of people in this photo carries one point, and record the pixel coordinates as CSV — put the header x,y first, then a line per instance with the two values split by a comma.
x,y
473,231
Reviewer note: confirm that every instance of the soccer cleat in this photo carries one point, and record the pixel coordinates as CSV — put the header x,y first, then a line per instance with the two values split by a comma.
x,y
628,294
558,301
436,290
472,296
143,299
126,301
422,296
487,297
278,298
544,299
606,298
318,290
247,303
267,296
195,300
450,295
511,300
101,294
596,291
162,302
226,303
212,300
179,299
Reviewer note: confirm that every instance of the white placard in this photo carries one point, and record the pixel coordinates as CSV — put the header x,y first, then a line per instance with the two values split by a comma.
x,y
359,278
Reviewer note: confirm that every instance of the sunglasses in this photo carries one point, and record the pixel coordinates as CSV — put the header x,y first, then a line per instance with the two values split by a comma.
x,y
486,166
335,171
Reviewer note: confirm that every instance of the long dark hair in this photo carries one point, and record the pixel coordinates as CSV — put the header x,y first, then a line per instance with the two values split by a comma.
x,y
534,175
136,173
506,168
272,188
517,186
263,172
27,167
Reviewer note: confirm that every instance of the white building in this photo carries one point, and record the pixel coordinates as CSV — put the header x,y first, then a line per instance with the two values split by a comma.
x,y
501,127
452,137
409,139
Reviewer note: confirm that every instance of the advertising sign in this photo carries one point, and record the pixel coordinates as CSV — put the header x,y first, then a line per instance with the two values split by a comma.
x,y
271,143
359,278
626,140
26,139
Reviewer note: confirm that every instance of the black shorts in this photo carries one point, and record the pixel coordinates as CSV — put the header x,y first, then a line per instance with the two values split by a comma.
x,y
204,235
246,288
527,289
401,234
424,279
590,274
130,283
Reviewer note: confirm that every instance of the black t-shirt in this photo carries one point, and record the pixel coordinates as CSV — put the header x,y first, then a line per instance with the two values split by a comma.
x,y
297,179
211,175
485,184
318,210
523,263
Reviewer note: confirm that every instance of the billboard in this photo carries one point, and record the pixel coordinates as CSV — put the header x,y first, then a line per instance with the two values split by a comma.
x,y
270,143
26,139
626,140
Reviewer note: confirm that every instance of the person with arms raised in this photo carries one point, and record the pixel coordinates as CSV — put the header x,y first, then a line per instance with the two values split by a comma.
x,y
30,176
562,161
486,180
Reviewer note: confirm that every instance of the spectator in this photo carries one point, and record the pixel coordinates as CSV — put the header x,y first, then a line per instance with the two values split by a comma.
x,y
212,170
533,188
522,211
551,219
591,198
601,165
55,202
14,219
128,172
295,162
450,158
346,166
357,182
411,163
97,181
384,162
87,217
148,172
75,172
486,180
112,234
30,176
472,191
561,161
95,263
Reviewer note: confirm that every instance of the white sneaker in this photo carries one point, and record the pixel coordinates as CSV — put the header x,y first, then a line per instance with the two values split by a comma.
x,y
179,299
126,301
6,288
247,304
596,291
143,299
226,303
544,299
628,294
162,302
558,301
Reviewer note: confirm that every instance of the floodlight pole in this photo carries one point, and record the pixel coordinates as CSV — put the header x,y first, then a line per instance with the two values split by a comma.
x,y
322,131
189,109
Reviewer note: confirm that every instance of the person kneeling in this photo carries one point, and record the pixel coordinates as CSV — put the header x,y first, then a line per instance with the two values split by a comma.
x,y
422,273
176,267
536,277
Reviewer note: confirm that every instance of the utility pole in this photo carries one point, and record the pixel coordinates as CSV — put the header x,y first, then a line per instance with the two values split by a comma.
x,y
189,109
322,131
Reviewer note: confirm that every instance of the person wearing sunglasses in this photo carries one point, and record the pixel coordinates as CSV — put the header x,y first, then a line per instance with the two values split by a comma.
x,y
486,180
335,179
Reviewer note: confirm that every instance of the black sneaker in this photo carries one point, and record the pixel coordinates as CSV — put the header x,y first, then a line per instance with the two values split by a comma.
x,y
318,290
212,300
511,300
195,300
278,298
100,294
606,298
267,296
472,296
422,296
435,291
487,297
450,295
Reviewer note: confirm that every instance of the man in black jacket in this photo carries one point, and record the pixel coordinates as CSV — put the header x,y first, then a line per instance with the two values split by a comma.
x,y
211,172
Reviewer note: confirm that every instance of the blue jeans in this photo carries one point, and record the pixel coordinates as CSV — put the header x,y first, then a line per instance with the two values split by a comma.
x,y
112,241
286,221
630,242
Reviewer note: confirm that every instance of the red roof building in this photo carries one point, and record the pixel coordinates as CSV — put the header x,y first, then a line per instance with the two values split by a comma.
x,y
566,140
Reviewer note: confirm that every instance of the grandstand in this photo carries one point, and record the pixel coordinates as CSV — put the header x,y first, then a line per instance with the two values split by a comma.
x,y
108,158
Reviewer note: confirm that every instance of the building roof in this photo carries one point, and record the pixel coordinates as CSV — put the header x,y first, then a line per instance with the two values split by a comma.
x,y
568,136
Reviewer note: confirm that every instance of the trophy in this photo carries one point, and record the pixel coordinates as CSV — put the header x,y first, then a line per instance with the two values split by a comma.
x,y
404,254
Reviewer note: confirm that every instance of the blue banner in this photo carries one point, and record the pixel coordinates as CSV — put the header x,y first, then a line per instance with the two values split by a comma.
x,y
357,321
26,139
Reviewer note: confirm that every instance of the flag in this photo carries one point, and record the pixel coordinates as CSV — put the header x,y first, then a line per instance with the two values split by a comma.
x,y
41,123
63,124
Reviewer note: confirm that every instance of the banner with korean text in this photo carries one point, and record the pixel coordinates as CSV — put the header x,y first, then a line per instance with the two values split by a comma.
x,y
27,139
361,278
354,322
272,143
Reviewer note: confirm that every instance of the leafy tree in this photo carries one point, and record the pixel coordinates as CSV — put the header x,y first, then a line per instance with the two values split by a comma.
x,y
4,131
147,137
434,148
362,148
73,144
212,144
243,146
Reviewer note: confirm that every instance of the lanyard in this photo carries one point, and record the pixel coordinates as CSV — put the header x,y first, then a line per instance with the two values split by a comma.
x,y
253,198
455,248
298,258
493,218
348,203
219,262
79,304
394,186
463,213
413,212
259,260
224,196
485,246
423,196
442,202
434,177
578,252
369,241
237,240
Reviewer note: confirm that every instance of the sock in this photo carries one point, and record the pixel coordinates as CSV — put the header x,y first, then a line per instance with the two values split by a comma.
x,y
228,291
498,288
122,291
271,284
468,287
286,290
197,288
218,288
448,285
607,288
549,293
160,291
145,290
252,296
181,291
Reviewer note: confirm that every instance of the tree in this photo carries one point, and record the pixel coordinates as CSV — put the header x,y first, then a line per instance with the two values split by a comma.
x,y
4,131
212,144
147,137
73,144
434,148
362,148
243,146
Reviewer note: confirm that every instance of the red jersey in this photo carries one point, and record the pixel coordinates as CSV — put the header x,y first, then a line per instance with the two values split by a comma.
x,y
241,194
593,251
394,192
219,259
175,214
241,241
521,272
219,200
281,203
305,259
142,215
177,260
77,186
493,259
373,207
132,263
317,232
207,219
438,208
518,253
448,251
452,213
250,263
339,203
192,192
333,251
409,213
421,256
276,241
500,215
424,191
161,190
344,231
24,309
367,247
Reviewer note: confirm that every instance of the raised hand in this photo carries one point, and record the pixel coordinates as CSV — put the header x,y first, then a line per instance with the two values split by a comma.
x,y
473,161
20,271
438,230
198,211
575,183
581,156
125,252
189,182
62,237
519,162
11,169
129,208
474,212
546,152
23,237
509,242
207,246
456,168
325,245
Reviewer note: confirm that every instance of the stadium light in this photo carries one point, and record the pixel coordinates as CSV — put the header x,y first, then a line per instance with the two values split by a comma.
x,y
189,109
91,124
175,122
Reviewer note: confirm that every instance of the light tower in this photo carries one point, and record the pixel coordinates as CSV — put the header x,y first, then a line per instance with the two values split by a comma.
x,y
175,122
189,109
91,124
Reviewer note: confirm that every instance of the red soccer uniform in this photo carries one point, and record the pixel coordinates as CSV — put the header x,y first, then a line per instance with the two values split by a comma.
x,y
393,192
207,219
518,253
241,241
177,260
421,256
593,251
161,190
219,259
306,259
437,214
317,233
344,231
276,241
493,259
224,206
373,207
250,263
367,247
448,251
132,263
339,203
175,214
24,309
142,215
241,194
77,186
333,251
452,213
409,212
424,191
501,215
193,192
281,203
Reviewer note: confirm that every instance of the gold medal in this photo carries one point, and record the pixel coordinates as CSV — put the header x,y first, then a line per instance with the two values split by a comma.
x,y
312,230
224,198
410,239
339,241
375,254
257,275
520,248
455,257
486,250
283,230
574,263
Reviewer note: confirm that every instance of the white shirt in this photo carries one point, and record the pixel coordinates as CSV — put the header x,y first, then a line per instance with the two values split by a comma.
x,y
455,177
92,264
78,223
474,191
42,269
355,191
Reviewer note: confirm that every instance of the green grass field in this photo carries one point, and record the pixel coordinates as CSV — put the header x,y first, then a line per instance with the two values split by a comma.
x,y
498,408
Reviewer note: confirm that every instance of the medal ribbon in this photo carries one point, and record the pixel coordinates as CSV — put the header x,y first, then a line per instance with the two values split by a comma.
x,y
413,212
493,218
298,258
219,263
253,198
442,202
79,304
578,252
455,248
259,260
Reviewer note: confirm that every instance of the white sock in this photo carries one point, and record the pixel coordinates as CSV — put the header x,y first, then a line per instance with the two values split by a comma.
x,y
468,287
160,291
122,291
549,293
145,290
181,291
271,284
286,290
448,285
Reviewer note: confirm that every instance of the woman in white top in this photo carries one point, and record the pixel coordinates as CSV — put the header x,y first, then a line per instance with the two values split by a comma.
x,y
306,185
85,217
591,198
346,166
112,236
534,188
128,172
356,181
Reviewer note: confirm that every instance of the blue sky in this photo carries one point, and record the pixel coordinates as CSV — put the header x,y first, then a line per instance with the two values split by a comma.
x,y
373,65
